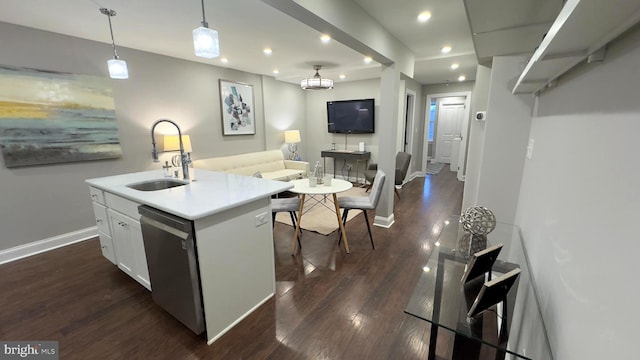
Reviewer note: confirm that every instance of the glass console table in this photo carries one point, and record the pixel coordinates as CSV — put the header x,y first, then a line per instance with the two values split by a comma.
x,y
511,329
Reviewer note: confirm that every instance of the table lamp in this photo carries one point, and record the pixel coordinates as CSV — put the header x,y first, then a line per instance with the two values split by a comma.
x,y
172,143
292,137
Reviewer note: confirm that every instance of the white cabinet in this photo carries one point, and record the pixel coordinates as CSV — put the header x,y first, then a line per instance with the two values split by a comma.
x,y
102,223
130,255
120,234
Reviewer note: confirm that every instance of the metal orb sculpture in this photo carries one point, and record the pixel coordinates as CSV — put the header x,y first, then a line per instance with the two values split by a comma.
x,y
478,220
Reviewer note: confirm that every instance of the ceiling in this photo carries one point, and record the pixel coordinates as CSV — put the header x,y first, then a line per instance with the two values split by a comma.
x,y
246,27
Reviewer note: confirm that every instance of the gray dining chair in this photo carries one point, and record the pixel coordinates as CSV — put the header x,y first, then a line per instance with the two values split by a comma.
x,y
290,205
363,203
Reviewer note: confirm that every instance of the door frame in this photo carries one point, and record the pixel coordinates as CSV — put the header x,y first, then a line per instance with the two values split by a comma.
x,y
462,155
409,119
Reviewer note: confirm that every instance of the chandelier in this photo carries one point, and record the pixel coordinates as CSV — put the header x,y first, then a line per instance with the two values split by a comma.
x,y
317,82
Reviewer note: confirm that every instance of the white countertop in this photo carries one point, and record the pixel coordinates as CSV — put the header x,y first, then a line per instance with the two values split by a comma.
x,y
211,192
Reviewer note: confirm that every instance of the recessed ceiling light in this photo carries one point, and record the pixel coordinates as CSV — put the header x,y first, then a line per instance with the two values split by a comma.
x,y
462,78
343,76
446,49
368,60
455,66
224,60
325,38
276,71
424,16
267,51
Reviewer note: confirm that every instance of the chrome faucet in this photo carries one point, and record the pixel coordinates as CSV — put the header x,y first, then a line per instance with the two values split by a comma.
x,y
184,158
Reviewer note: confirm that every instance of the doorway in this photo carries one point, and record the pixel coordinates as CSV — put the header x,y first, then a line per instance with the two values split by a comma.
x,y
449,124
446,128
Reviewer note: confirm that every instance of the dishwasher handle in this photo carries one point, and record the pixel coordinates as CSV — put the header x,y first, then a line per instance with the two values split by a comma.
x,y
184,236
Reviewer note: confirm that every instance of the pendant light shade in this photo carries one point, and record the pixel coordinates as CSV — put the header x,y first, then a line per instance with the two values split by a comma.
x,y
205,40
317,82
117,68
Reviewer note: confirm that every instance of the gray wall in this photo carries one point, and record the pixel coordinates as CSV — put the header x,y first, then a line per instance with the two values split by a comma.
x,y
284,109
319,139
578,206
41,202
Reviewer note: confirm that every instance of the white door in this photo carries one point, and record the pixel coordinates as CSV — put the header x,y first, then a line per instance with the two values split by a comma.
x,y
450,119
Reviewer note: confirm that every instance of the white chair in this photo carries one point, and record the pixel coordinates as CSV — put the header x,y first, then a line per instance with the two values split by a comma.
x,y
363,203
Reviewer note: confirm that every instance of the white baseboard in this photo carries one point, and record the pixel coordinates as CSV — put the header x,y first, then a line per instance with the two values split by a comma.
x,y
51,243
384,222
414,175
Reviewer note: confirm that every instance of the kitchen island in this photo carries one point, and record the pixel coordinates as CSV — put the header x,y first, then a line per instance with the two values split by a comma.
x,y
231,216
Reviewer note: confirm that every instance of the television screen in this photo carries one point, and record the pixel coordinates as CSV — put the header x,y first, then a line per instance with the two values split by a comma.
x,y
351,116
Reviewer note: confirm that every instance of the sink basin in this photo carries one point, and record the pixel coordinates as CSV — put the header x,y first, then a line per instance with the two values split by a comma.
x,y
153,185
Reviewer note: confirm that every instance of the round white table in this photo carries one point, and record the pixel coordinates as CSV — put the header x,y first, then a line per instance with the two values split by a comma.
x,y
302,187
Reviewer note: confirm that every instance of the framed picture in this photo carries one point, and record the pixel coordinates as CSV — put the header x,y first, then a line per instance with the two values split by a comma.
x,y
236,102
493,292
481,263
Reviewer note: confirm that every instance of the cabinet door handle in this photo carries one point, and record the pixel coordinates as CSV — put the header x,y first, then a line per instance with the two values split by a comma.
x,y
94,196
98,221
123,224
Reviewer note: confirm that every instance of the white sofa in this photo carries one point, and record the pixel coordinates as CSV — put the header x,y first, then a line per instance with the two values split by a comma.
x,y
271,164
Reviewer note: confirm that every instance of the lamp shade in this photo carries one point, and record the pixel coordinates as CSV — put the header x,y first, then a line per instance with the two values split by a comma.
x,y
205,43
292,136
118,69
172,143
316,84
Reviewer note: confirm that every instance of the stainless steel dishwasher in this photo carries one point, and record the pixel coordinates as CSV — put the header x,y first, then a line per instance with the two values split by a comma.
x,y
169,244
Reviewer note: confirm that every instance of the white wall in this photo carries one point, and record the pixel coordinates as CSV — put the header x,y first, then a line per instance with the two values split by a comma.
x,y
505,141
579,207
479,99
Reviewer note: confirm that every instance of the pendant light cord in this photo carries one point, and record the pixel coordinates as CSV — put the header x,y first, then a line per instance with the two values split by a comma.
x,y
204,21
113,42
110,13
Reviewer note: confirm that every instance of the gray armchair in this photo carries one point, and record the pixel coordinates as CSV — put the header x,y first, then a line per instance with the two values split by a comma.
x,y
403,160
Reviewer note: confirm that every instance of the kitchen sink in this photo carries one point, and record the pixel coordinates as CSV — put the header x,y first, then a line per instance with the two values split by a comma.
x,y
153,185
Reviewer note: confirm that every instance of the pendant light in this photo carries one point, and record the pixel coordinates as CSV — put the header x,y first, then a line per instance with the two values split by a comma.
x,y
205,40
117,68
316,82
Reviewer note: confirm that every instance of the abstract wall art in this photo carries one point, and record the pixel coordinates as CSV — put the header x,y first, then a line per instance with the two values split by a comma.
x,y
236,101
51,117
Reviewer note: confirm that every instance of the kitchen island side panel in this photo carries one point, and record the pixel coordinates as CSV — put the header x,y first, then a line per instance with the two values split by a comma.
x,y
236,262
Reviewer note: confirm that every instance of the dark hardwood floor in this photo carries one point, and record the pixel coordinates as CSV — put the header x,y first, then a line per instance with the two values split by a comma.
x,y
328,304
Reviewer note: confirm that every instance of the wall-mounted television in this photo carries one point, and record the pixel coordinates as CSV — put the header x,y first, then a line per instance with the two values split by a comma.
x,y
351,116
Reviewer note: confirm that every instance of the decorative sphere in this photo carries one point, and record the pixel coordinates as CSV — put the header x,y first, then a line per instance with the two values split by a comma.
x,y
478,220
